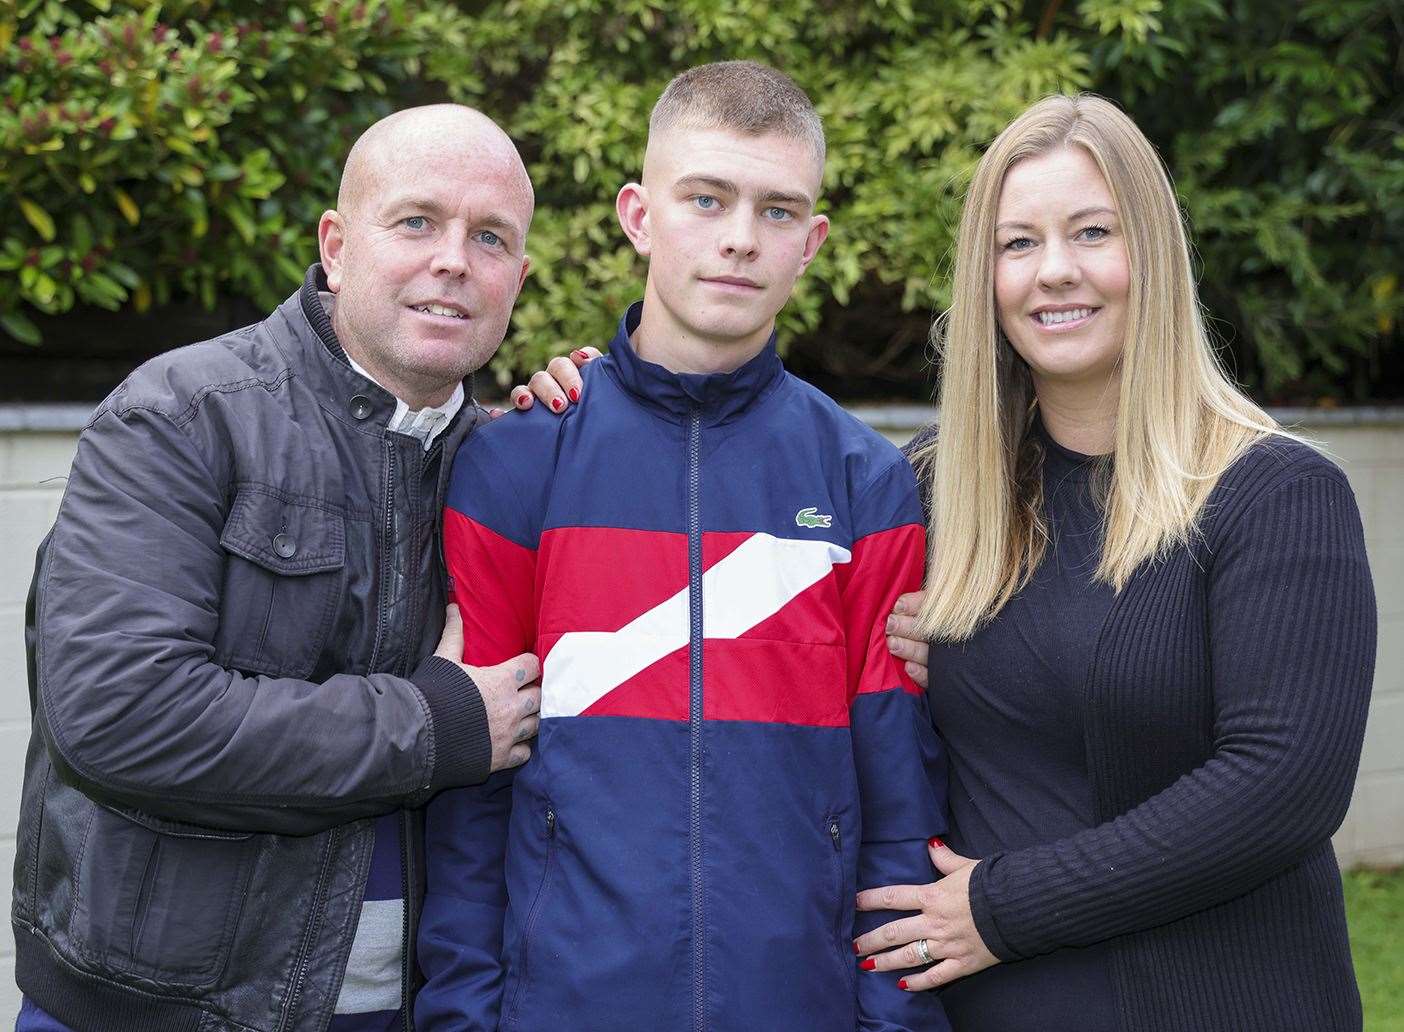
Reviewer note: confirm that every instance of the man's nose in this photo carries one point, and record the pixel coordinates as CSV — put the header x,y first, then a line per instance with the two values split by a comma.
x,y
450,256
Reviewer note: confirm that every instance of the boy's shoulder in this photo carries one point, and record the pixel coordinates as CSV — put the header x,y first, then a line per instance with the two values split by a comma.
x,y
867,452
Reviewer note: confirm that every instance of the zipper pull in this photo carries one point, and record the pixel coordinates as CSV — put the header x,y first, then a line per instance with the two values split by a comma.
x,y
550,823
834,834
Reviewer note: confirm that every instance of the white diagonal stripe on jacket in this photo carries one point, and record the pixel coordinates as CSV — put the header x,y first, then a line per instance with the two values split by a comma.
x,y
745,588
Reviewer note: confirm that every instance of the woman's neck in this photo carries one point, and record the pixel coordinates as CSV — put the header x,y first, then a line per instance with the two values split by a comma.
x,y
1081,417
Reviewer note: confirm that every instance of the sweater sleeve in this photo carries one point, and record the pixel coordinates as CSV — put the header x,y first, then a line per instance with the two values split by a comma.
x,y
1291,635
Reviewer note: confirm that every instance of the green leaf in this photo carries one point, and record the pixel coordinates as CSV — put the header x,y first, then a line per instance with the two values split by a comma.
x,y
19,326
38,218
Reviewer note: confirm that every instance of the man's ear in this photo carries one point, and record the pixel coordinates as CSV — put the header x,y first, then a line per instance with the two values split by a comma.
x,y
818,233
331,238
632,208
526,267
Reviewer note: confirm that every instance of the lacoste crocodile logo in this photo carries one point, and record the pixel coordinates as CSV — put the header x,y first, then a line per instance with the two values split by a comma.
x,y
811,518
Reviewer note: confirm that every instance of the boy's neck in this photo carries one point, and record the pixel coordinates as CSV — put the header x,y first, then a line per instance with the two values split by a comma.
x,y
665,341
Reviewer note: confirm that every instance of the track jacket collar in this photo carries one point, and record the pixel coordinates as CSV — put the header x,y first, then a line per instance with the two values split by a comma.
x,y
722,397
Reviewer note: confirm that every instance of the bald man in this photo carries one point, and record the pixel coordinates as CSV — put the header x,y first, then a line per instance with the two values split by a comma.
x,y
243,676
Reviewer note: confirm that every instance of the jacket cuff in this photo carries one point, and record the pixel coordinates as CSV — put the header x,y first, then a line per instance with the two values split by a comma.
x,y
982,910
462,743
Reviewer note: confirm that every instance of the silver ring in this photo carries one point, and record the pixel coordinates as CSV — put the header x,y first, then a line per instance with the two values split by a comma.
x,y
926,957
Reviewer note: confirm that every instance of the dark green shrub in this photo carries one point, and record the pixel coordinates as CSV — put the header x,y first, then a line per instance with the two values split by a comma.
x,y
152,151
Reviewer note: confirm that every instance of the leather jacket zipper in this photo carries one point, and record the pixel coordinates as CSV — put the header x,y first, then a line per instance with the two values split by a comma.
x,y
694,711
387,545
309,935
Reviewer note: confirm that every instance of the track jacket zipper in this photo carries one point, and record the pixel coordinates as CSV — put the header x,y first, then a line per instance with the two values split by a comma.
x,y
694,653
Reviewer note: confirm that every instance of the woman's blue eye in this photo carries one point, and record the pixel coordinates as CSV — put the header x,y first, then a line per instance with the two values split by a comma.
x,y
1018,244
1095,232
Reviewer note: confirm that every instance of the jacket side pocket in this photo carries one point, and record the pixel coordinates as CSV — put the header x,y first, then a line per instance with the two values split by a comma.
x,y
523,958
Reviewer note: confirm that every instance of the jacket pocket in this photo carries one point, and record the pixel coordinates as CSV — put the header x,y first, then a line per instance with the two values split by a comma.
x,y
523,957
160,899
842,898
282,581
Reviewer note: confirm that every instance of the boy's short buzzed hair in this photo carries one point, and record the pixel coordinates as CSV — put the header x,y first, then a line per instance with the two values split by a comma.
x,y
744,96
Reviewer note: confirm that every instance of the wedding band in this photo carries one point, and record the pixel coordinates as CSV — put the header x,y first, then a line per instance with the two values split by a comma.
x,y
926,957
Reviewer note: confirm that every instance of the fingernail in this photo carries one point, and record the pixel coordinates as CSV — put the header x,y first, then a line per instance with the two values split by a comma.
x,y
556,404
856,951
574,393
891,624
935,843
870,964
520,401
901,983
580,353
900,607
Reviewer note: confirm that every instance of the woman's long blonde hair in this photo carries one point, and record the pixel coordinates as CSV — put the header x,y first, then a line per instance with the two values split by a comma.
x,y
1180,421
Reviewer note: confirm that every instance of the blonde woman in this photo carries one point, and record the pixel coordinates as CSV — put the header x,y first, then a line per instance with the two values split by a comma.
x,y
1152,627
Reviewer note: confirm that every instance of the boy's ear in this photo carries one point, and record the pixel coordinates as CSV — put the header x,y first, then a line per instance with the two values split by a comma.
x,y
632,208
818,233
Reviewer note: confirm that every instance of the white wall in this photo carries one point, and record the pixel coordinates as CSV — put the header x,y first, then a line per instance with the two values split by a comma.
x,y
36,447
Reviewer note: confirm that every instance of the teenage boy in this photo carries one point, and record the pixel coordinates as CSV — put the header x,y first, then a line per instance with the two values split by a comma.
x,y
703,556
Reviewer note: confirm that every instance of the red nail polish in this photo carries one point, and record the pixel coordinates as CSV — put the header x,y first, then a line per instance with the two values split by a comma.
x,y
870,964
935,843
520,401
574,393
580,354
556,404
856,951
901,983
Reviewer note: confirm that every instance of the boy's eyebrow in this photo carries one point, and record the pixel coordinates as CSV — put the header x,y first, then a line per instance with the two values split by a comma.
x,y
726,186
778,197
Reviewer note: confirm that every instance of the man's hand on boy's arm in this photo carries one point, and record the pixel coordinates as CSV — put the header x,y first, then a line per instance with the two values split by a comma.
x,y
511,693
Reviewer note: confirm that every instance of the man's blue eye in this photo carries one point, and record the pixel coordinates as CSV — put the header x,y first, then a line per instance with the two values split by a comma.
x,y
778,214
415,222
490,238
705,202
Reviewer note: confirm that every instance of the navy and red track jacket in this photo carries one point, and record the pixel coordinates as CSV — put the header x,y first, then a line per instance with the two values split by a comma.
x,y
727,749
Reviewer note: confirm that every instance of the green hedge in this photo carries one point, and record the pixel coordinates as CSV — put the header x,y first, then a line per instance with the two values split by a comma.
x,y
154,151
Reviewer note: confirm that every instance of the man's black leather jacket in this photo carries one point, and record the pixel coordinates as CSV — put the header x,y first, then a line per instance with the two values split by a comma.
x,y
227,642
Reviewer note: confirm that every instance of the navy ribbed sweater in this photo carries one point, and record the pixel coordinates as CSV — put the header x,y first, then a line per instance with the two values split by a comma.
x,y
1224,712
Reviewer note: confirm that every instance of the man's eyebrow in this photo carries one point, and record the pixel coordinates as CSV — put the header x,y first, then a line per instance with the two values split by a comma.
x,y
412,202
